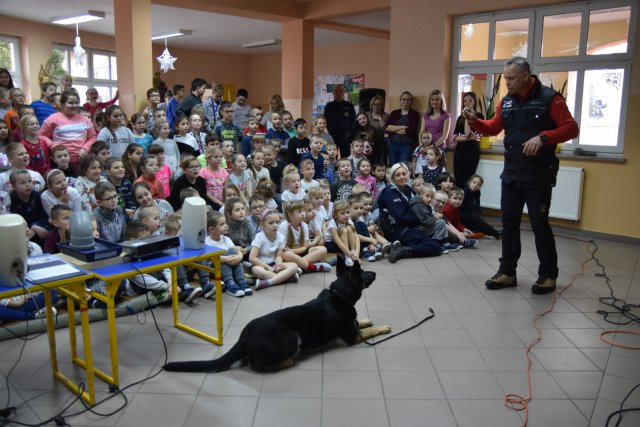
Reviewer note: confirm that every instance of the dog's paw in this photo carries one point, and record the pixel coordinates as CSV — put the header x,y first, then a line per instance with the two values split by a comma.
x,y
286,363
364,323
384,329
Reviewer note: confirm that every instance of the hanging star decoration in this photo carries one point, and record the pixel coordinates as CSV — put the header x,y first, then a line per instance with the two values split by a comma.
x,y
166,60
78,51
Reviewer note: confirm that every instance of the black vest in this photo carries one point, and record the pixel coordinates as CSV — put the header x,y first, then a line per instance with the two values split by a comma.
x,y
524,119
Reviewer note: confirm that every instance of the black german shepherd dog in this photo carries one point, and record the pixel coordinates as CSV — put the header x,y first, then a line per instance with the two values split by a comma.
x,y
271,342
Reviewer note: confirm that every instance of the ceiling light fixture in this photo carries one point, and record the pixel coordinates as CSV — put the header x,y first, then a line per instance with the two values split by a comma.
x,y
169,34
262,43
78,18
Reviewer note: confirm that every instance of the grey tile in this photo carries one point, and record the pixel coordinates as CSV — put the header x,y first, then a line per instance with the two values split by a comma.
x,y
411,385
457,360
293,383
494,338
403,359
616,389
235,382
354,413
543,385
585,337
287,412
470,385
550,412
152,410
350,359
585,406
446,338
563,359
483,413
508,359
571,320
420,413
579,385
222,411
356,384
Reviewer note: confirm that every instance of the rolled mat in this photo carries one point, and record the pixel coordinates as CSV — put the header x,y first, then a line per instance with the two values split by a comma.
x,y
124,308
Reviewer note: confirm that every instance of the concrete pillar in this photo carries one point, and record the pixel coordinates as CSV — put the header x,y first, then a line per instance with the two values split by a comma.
x,y
133,52
297,67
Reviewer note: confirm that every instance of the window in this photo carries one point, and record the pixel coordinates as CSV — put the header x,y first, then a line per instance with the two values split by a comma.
x,y
98,70
10,58
581,50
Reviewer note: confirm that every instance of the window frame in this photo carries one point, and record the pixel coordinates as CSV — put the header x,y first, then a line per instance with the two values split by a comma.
x,y
16,74
580,63
91,81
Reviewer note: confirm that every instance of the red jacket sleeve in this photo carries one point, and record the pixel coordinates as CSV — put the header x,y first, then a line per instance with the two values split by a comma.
x,y
492,126
567,127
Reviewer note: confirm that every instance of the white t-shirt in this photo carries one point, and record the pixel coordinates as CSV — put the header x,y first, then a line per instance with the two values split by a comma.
x,y
283,233
289,197
306,186
267,248
321,217
224,242
332,224
5,183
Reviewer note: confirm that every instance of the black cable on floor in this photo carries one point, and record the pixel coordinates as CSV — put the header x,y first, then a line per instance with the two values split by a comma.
x,y
402,332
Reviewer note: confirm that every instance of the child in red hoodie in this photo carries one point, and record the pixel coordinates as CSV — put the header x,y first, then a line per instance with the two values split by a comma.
x,y
452,215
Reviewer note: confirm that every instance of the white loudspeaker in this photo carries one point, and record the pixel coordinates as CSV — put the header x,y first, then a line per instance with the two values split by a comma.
x,y
194,222
81,230
13,250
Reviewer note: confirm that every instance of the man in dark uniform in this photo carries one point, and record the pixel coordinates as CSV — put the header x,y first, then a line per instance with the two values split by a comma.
x,y
535,119
341,116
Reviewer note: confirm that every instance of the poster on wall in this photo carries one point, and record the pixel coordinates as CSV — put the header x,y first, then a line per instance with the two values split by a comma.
x,y
323,89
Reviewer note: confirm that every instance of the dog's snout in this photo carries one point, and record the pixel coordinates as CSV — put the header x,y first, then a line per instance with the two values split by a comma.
x,y
367,278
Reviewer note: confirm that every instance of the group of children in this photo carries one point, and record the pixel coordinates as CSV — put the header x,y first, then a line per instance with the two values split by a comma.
x,y
277,213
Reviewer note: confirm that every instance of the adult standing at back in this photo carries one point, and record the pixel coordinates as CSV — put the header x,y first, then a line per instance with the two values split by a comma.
x,y
198,86
212,104
467,154
69,128
437,120
241,109
535,119
377,116
341,116
402,128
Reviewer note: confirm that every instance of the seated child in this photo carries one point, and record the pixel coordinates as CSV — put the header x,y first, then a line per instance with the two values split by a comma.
x,y
25,201
241,231
155,282
150,217
371,221
445,182
316,232
110,217
368,244
340,234
342,187
452,215
60,159
470,210
231,261
293,190
256,205
59,220
307,170
142,195
266,254
266,189
431,221
295,233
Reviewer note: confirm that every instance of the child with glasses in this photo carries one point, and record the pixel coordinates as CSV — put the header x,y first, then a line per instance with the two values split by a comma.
x,y
110,217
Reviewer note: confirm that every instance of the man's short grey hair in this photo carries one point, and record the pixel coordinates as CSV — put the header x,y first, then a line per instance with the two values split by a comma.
x,y
521,64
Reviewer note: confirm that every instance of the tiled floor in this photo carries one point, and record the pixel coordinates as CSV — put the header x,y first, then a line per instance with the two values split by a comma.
x,y
453,370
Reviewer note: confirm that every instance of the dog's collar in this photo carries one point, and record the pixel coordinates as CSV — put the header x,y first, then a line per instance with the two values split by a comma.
x,y
339,295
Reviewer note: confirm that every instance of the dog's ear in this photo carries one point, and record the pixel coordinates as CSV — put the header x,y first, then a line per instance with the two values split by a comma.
x,y
341,268
356,272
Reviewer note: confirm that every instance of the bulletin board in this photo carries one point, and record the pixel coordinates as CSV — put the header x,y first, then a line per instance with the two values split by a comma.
x,y
323,89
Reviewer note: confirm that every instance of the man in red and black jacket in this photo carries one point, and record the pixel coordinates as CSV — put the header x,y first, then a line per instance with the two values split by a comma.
x,y
535,119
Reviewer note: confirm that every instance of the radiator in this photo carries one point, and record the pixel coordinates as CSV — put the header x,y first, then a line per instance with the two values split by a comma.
x,y
566,198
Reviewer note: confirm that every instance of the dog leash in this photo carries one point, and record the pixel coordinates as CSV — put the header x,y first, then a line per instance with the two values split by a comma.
x,y
402,332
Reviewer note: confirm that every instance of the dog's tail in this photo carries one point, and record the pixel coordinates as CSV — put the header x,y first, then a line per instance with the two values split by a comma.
x,y
216,365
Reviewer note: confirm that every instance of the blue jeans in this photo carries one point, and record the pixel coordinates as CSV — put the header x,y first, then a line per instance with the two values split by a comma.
x,y
26,311
399,153
232,272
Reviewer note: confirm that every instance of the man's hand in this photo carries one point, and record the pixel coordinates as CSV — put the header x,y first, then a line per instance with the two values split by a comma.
x,y
532,146
469,115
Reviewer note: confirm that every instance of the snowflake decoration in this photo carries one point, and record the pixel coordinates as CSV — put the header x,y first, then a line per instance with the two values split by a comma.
x,y
166,60
79,52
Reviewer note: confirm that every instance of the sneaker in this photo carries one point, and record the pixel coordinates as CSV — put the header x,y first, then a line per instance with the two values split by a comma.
x,y
163,297
378,247
261,284
295,278
323,266
234,290
331,260
368,256
451,247
378,255
443,250
299,271
209,290
348,262
470,243
499,281
245,288
42,313
544,286
386,248
476,235
191,292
